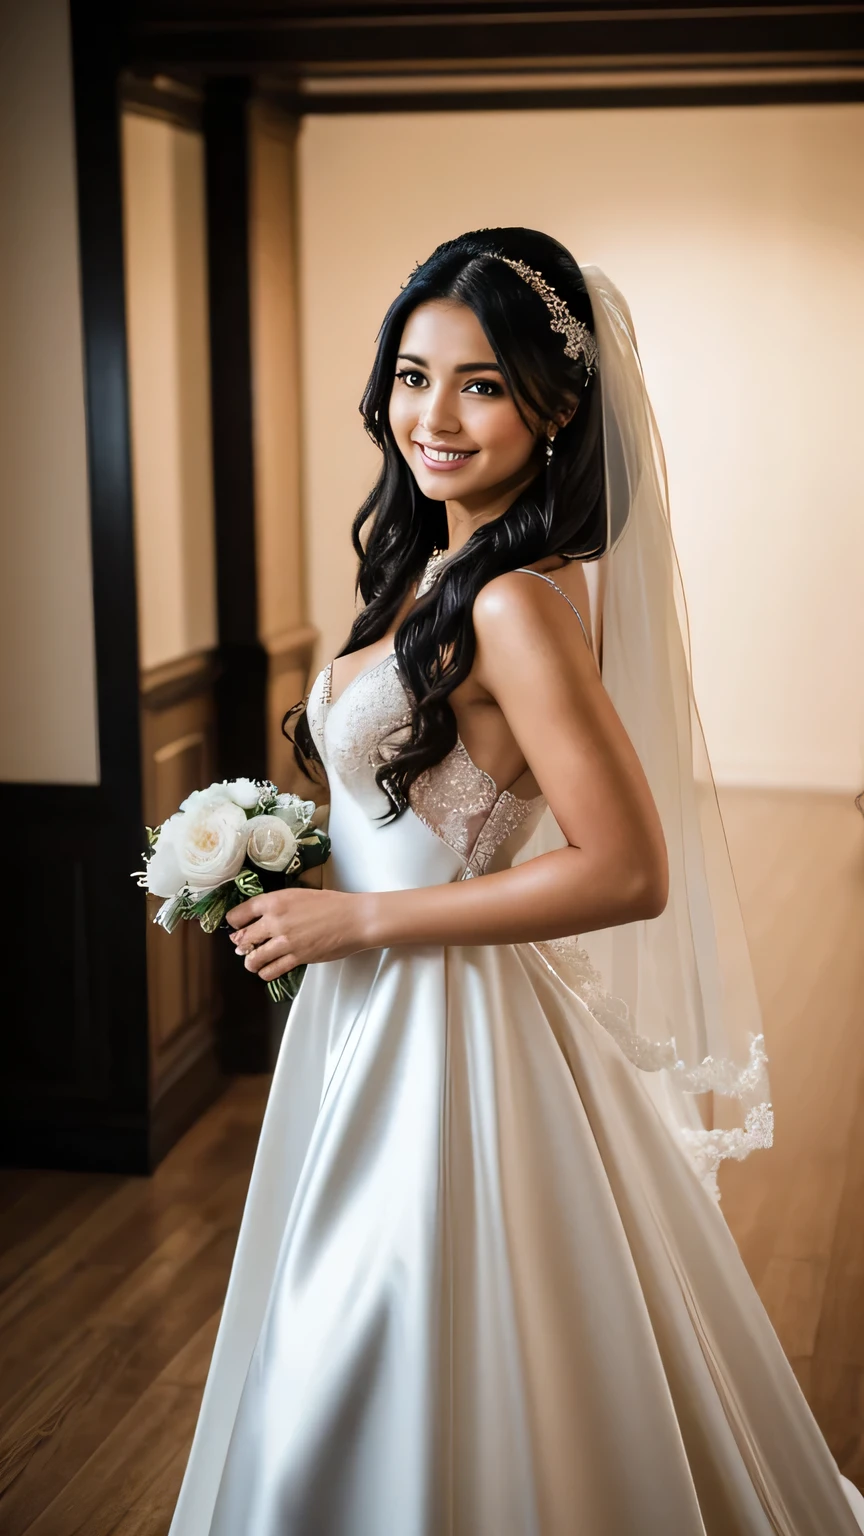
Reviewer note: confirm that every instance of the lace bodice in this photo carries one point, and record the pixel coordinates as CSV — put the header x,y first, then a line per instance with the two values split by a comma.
x,y
455,799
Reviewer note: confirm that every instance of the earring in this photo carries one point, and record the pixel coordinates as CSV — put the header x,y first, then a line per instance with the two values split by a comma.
x,y
550,438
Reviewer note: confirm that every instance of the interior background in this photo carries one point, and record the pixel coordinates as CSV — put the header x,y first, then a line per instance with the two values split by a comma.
x,y
148,179
737,235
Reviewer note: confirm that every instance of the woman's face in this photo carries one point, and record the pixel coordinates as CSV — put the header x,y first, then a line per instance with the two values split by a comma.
x,y
452,414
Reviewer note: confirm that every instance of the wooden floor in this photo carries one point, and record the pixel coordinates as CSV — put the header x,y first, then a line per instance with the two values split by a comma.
x,y
110,1288
798,1211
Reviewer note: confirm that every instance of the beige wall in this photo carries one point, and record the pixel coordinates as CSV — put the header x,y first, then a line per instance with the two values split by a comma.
x,y
738,236
48,730
273,261
169,383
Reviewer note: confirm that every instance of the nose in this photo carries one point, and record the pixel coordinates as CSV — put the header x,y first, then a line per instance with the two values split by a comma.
x,y
438,414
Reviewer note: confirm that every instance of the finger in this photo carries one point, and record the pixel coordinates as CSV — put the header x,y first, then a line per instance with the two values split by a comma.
x,y
246,912
254,933
279,967
271,950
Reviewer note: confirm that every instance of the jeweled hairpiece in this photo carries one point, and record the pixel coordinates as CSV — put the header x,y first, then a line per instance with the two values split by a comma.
x,y
580,343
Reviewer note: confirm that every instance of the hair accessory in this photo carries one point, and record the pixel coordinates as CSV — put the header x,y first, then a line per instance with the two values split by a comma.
x,y
580,344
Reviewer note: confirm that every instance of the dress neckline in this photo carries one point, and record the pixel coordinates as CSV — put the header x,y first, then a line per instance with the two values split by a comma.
x,y
330,704
375,666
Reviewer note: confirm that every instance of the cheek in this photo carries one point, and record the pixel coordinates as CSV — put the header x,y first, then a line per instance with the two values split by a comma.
x,y
506,435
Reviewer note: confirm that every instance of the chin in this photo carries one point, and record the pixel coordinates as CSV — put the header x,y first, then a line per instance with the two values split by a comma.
x,y
441,487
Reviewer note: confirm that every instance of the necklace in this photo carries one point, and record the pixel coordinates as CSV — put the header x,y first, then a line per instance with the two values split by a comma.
x,y
430,570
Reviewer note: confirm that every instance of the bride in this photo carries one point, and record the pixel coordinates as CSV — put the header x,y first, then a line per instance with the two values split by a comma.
x,y
482,1285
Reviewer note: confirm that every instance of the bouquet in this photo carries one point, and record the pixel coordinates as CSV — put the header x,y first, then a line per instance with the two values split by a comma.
x,y
226,843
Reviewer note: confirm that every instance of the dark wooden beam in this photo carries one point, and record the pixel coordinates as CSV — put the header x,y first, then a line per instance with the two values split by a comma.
x,y
740,91
246,1041
303,39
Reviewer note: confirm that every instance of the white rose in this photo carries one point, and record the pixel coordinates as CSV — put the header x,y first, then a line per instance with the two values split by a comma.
x,y
243,792
210,796
295,812
272,844
164,877
211,844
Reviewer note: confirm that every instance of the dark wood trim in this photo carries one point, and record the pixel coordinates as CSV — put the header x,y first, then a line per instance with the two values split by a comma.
x,y
243,661
302,39
225,130
247,1039
172,101
95,47
554,98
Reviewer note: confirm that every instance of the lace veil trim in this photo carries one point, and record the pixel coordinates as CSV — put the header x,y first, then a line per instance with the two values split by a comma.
x,y
748,1084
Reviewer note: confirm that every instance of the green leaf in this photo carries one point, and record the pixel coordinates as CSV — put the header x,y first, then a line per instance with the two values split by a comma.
x,y
315,850
285,988
233,897
171,912
248,884
201,906
211,919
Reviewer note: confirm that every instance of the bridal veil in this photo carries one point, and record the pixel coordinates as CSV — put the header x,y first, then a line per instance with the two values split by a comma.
x,y
677,991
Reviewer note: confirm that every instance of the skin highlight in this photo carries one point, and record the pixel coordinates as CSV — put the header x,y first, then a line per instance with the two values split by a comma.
x,y
532,713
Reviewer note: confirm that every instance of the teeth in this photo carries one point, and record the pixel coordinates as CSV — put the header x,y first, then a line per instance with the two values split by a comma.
x,y
438,454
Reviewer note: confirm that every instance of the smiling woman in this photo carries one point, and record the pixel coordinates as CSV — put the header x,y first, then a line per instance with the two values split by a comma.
x,y
458,418
475,302
478,1287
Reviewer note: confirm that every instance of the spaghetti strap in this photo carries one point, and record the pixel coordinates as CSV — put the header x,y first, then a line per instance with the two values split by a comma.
x,y
543,577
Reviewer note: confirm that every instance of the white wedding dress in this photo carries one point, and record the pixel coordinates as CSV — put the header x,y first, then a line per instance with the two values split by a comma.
x,y
478,1290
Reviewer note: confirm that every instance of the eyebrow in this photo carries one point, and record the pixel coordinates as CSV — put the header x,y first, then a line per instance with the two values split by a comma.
x,y
460,368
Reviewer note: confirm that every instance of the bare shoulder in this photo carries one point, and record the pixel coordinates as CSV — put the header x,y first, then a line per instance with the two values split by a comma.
x,y
518,605
504,600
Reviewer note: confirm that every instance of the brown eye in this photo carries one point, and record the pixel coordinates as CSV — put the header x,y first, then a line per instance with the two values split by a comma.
x,y
411,377
484,387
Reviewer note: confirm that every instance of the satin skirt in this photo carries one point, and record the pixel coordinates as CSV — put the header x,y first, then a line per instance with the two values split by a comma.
x,y
478,1290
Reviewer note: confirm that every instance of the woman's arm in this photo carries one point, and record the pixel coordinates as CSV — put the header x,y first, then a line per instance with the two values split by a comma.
x,y
536,667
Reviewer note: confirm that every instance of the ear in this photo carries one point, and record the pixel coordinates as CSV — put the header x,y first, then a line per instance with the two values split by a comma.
x,y
563,419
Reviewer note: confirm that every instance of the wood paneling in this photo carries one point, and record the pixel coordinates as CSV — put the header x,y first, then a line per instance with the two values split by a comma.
x,y
179,746
289,662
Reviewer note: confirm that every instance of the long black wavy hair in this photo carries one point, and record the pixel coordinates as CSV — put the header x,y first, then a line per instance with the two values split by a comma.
x,y
561,512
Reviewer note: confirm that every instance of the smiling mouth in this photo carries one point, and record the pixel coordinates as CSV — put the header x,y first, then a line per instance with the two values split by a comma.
x,y
446,457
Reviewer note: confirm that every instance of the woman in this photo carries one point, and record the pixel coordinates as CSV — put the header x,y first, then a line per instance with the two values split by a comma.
x,y
478,1288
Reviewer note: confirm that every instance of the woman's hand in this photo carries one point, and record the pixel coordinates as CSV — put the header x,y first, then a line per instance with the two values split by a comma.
x,y
297,926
